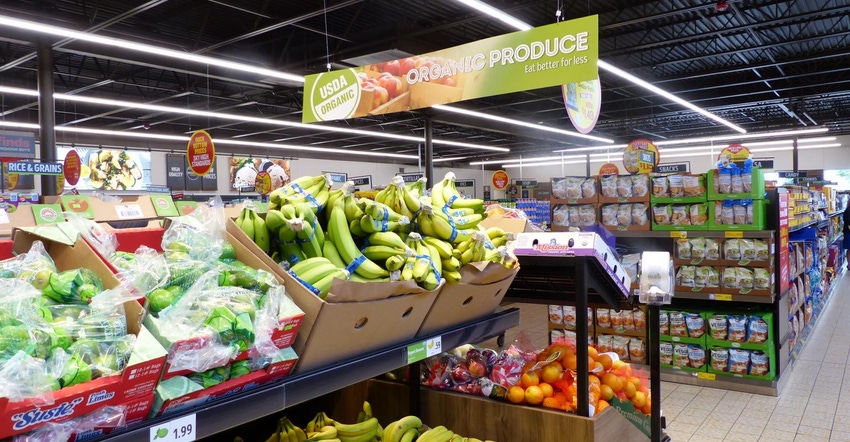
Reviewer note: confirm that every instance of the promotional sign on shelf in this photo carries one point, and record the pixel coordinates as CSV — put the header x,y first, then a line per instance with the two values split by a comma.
x,y
609,169
733,153
641,156
500,179
200,153
583,101
72,167
32,167
540,57
78,204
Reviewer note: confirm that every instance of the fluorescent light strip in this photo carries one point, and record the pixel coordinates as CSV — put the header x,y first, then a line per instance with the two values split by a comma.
x,y
499,119
497,14
27,25
235,117
652,88
520,160
592,148
447,159
223,141
786,133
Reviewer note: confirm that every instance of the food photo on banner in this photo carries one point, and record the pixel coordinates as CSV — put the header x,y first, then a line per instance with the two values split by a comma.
x,y
243,171
111,169
16,181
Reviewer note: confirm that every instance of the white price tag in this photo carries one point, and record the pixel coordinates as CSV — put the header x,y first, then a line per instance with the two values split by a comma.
x,y
4,217
128,211
434,346
183,429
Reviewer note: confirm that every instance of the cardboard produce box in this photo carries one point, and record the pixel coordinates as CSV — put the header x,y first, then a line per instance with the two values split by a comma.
x,y
482,287
165,402
335,331
290,316
22,216
137,380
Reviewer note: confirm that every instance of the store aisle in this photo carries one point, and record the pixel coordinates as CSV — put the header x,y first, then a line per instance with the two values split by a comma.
x,y
807,409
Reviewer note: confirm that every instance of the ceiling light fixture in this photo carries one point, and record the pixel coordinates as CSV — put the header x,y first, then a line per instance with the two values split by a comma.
x,y
525,160
32,26
593,148
784,133
447,159
497,14
246,118
655,89
499,119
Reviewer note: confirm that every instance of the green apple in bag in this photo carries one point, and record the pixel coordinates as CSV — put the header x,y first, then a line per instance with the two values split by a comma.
x,y
13,339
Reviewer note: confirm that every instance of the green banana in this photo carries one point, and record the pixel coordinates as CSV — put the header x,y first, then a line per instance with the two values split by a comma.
x,y
444,248
327,432
347,248
395,262
247,224
378,211
308,264
261,234
291,253
382,253
410,435
416,188
330,252
274,221
394,431
324,285
371,225
476,204
355,229
437,199
315,274
304,210
390,239
350,430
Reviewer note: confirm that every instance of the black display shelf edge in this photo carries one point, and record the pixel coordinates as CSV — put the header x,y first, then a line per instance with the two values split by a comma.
x,y
224,414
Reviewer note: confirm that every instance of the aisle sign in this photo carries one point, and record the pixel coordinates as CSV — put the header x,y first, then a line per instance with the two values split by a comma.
x,y
500,179
641,156
763,164
536,58
583,101
791,174
526,184
609,169
183,429
337,177
72,167
683,167
31,167
365,180
411,177
200,153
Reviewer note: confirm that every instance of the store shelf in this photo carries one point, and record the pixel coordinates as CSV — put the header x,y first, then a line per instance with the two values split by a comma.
x,y
822,224
836,213
732,383
837,238
802,226
804,336
729,298
219,416
695,234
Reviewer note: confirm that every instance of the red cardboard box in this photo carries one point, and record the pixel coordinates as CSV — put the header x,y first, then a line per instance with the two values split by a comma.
x,y
138,379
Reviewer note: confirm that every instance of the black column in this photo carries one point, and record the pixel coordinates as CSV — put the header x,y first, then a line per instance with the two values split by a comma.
x,y
429,150
46,115
795,156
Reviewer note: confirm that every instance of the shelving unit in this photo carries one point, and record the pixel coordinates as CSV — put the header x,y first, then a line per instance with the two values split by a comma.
x,y
221,415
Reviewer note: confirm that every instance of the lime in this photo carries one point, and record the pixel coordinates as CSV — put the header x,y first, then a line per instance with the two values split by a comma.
x,y
160,299
228,251
42,279
13,339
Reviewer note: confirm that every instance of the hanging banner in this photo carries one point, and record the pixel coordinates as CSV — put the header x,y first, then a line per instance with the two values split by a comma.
x,y
72,167
17,144
500,179
583,101
110,169
733,153
540,57
609,169
640,156
243,172
200,153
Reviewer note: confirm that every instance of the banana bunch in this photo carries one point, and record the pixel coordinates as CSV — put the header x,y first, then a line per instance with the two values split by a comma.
x,y
416,188
478,248
254,227
395,197
425,266
313,190
365,431
498,237
445,194
379,217
381,246
318,423
407,428
443,434
287,432
438,224
339,234
319,272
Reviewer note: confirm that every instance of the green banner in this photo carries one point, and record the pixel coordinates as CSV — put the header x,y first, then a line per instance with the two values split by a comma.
x,y
551,55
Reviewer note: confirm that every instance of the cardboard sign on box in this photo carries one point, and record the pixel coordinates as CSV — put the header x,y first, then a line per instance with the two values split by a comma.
x,y
333,332
139,377
290,316
482,287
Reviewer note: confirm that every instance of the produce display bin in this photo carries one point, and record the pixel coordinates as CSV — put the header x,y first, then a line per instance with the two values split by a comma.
x,y
137,380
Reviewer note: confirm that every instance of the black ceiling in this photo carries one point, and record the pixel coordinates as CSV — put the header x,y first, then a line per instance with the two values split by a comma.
x,y
761,64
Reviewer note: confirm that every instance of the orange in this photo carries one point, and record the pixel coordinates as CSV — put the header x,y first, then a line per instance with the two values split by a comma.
x,y
566,352
606,392
636,382
613,381
595,367
516,394
560,397
593,379
592,353
601,406
551,402
542,355
606,361
533,395
647,408
570,362
618,365
630,389
547,389
639,400
552,372
529,379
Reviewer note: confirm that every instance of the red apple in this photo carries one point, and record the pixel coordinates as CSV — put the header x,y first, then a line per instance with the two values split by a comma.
x,y
406,65
393,67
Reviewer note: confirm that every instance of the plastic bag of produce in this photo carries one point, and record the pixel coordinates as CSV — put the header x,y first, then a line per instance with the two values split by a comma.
x,y
33,267
100,239
146,270
200,235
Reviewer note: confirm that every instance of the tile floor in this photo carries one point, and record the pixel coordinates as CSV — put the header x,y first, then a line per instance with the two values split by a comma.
x,y
807,409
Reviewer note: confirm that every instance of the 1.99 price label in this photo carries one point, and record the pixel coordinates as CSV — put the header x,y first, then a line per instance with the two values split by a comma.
x,y
183,429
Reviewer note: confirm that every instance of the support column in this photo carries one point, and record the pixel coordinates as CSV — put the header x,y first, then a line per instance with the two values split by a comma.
x,y
794,156
429,150
46,115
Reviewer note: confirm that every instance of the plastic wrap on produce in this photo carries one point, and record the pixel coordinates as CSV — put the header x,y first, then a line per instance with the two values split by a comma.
x,y
146,271
99,238
110,417
28,265
200,235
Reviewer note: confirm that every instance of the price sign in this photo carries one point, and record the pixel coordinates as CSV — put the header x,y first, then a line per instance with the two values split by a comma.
x,y
734,234
707,376
183,429
682,234
640,156
425,349
722,297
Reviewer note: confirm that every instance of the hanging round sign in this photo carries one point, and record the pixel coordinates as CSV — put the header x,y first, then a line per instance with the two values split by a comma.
x,y
733,153
500,179
200,153
609,169
583,101
641,156
72,169
263,183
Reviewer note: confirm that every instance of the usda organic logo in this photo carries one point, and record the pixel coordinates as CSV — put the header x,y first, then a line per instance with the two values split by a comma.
x,y
335,95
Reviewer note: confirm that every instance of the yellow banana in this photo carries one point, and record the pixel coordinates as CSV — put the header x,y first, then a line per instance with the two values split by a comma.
x,y
434,256
395,262
451,264
444,248
378,211
452,276
351,430
450,193
416,188
372,225
437,199
407,270
476,204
